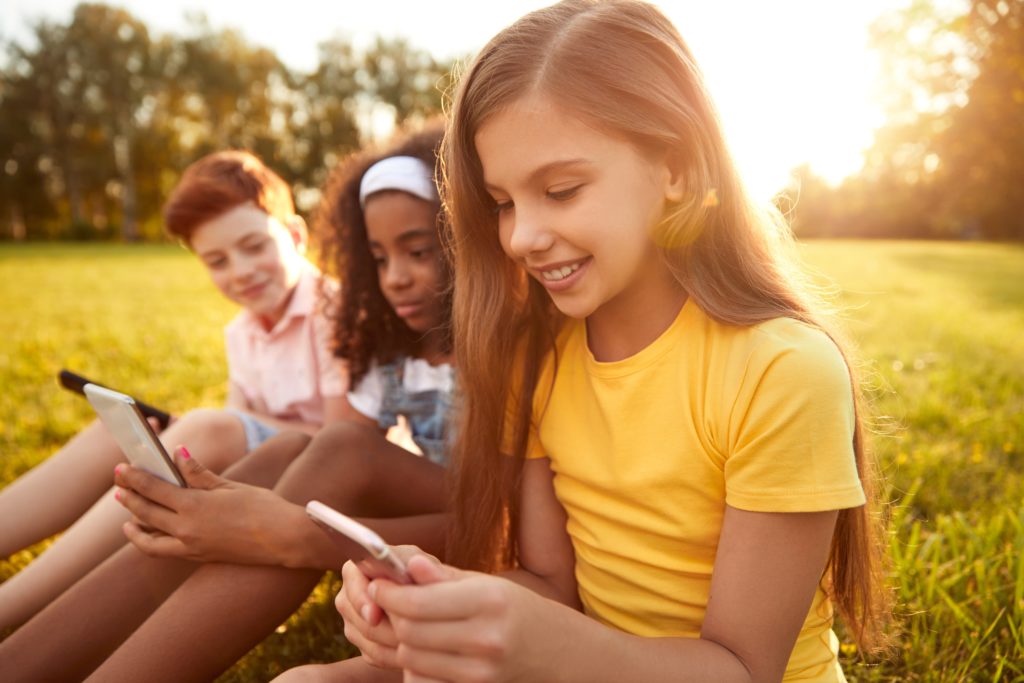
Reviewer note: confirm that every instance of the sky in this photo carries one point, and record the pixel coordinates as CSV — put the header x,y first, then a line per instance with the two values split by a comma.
x,y
794,80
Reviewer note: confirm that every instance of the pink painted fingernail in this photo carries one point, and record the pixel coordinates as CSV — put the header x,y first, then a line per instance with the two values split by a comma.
x,y
117,494
185,455
117,470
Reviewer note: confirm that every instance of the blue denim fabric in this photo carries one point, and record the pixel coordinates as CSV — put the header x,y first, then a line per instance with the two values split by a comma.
x,y
256,432
426,411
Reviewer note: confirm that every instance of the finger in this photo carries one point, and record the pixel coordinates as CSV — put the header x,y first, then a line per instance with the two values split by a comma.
x,y
145,511
379,654
469,637
354,592
412,677
195,473
154,424
148,486
426,569
155,544
437,601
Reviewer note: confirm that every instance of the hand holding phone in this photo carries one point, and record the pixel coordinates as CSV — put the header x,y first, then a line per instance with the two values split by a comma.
x,y
377,560
122,418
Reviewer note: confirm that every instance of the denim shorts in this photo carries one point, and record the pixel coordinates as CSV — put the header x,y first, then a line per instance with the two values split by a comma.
x,y
256,432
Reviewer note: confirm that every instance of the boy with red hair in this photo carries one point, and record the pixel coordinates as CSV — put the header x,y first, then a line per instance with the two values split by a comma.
x,y
237,216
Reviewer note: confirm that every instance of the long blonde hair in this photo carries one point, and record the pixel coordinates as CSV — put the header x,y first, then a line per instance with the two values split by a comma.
x,y
623,67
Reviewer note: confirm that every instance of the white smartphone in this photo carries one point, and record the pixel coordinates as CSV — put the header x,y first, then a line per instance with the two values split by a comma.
x,y
379,559
121,416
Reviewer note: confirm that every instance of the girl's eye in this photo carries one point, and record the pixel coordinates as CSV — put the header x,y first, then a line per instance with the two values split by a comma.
x,y
380,261
502,207
216,264
562,195
254,247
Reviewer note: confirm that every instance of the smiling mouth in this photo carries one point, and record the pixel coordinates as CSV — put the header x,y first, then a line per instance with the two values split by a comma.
x,y
253,291
557,274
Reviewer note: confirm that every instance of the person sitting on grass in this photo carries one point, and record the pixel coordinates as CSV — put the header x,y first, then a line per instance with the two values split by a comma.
x,y
237,217
215,568
660,444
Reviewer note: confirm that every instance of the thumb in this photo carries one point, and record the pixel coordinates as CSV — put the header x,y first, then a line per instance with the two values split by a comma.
x,y
195,473
425,569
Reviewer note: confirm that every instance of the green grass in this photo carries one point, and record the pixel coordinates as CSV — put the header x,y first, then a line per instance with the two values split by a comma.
x,y
939,327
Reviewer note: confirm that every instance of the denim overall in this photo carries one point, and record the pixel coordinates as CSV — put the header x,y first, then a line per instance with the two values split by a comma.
x,y
426,411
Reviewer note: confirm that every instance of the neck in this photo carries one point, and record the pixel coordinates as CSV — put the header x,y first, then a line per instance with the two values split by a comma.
x,y
629,324
432,348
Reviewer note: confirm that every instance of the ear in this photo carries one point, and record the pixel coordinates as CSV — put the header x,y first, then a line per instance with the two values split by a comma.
x,y
675,177
299,233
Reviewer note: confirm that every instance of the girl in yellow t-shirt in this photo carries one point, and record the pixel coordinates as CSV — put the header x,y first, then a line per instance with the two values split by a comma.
x,y
672,476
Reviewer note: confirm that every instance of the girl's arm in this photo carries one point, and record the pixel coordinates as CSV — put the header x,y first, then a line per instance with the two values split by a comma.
x,y
471,627
547,561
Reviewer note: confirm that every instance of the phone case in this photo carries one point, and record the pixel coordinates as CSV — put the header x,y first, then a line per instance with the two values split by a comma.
x,y
122,418
379,560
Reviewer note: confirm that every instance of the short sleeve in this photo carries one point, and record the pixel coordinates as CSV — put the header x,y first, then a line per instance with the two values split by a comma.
x,y
792,425
332,373
369,394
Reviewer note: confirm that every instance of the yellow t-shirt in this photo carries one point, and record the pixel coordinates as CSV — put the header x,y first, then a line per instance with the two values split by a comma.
x,y
648,450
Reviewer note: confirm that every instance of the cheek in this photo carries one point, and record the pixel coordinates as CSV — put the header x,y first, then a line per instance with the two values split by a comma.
x,y
222,281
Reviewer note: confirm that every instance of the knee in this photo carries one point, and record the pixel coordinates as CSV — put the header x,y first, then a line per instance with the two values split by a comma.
x,y
265,465
215,437
340,453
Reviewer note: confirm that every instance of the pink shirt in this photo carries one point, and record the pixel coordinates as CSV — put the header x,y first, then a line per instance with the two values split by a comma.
x,y
287,372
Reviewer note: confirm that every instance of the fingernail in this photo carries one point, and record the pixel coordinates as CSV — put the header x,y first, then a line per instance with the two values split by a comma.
x,y
372,590
185,455
117,470
117,494
365,611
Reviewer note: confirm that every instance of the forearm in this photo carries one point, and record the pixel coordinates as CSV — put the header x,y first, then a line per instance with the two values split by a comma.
x,y
582,649
546,587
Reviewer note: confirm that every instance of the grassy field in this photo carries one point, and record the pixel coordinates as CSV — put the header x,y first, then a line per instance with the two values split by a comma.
x,y
939,328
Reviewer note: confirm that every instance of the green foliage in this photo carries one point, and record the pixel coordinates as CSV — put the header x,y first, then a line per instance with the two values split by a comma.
x,y
99,117
950,160
938,327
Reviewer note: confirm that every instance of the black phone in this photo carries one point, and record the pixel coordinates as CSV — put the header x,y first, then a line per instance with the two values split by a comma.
x,y
76,383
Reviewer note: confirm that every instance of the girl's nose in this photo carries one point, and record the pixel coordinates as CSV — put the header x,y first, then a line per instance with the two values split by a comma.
x,y
397,275
529,235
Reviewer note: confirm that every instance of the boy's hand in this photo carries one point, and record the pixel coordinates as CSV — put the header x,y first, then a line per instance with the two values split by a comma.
x,y
215,520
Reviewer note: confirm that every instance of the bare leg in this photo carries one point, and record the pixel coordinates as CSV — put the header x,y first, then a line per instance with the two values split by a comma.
x,y
54,493
222,611
80,629
214,436
354,670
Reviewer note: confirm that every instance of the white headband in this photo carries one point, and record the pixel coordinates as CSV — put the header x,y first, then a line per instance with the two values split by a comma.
x,y
407,174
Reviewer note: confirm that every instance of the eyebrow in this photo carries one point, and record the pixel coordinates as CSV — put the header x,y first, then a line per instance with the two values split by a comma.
x,y
407,236
541,171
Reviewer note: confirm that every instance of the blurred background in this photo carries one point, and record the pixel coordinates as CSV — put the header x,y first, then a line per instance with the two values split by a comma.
x,y
868,119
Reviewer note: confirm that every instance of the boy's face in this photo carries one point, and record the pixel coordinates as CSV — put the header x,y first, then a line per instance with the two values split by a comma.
x,y
253,258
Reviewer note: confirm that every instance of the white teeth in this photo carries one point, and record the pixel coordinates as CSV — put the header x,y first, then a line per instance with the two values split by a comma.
x,y
560,273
